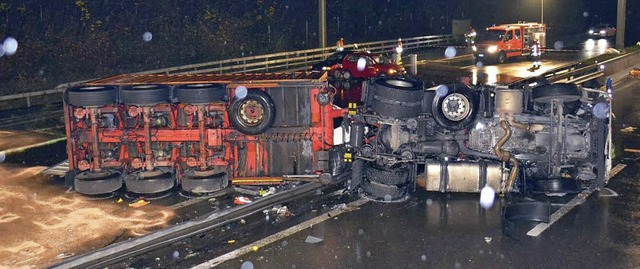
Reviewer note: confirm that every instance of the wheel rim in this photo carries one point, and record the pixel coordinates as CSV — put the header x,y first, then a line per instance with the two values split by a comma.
x,y
455,107
347,75
503,58
251,112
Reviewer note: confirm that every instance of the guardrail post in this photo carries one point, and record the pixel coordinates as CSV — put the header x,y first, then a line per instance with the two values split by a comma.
x,y
413,64
28,101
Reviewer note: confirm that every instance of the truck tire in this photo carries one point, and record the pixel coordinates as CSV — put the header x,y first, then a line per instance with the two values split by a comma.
x,y
396,97
149,182
346,74
91,183
387,193
145,95
387,175
565,92
200,94
200,182
457,109
253,114
502,57
87,96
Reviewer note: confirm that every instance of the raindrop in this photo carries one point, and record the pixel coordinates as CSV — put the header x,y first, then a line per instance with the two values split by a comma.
x,y
429,202
368,253
387,198
360,232
487,195
558,45
241,92
285,243
176,255
479,64
147,36
379,22
502,256
442,90
10,46
585,14
362,63
450,52
246,265
458,265
481,252
423,258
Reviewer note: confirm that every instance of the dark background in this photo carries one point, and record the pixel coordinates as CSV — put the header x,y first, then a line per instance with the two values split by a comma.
x,y
70,40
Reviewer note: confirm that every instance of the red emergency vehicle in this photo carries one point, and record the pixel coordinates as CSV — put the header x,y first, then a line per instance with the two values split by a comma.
x,y
502,42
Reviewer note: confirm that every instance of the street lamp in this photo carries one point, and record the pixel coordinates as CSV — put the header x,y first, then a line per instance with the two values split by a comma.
x,y
541,11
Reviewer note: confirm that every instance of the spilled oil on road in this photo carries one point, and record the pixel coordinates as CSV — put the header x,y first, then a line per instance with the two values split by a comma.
x,y
41,223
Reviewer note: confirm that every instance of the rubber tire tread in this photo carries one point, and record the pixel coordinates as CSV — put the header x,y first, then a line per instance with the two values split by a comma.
x,y
145,95
200,93
379,190
399,101
387,176
269,113
86,96
567,92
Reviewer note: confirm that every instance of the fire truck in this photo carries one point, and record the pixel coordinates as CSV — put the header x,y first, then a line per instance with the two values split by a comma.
x,y
499,43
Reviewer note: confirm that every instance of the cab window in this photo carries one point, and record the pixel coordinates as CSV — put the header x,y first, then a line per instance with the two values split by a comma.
x,y
508,36
517,33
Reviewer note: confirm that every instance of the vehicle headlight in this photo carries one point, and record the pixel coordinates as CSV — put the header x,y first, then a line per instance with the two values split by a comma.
x,y
492,49
326,68
590,32
392,71
474,48
602,32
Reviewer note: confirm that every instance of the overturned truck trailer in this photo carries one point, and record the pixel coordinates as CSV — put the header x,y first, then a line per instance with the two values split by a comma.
x,y
454,138
151,133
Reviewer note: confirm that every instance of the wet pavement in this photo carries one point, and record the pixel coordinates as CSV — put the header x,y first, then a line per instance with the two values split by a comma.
x,y
434,230
428,231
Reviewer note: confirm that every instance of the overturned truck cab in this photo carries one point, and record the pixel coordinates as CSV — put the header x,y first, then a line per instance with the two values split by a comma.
x,y
454,138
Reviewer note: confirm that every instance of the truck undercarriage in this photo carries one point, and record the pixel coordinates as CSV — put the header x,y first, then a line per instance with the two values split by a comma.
x,y
153,133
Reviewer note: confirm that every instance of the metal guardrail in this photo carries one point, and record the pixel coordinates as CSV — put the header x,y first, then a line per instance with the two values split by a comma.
x,y
292,60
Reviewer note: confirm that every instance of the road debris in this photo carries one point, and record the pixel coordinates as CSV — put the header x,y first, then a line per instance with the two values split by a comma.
x,y
313,240
139,203
241,200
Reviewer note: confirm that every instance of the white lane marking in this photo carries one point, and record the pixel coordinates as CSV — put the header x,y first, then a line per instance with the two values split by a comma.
x,y
280,235
578,200
541,227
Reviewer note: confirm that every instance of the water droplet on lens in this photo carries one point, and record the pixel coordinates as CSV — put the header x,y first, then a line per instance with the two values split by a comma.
x,y
558,45
429,202
285,243
147,36
368,253
458,265
362,63
450,52
10,46
585,14
241,92
424,257
360,232
247,265
176,255
387,198
479,64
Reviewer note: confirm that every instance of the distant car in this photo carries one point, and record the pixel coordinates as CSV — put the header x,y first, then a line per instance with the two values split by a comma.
x,y
375,65
635,72
602,30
